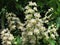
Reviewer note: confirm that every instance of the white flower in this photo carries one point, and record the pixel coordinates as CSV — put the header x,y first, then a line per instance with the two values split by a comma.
x,y
35,25
12,14
3,42
7,37
4,38
46,35
32,41
46,21
33,21
29,25
48,31
36,31
3,31
23,34
7,34
53,36
53,30
8,43
37,15
20,24
27,7
24,39
11,38
32,4
29,11
9,18
12,22
39,24
56,34
15,18
42,28
50,9
40,20
15,42
29,16
35,8
30,33
12,27
20,27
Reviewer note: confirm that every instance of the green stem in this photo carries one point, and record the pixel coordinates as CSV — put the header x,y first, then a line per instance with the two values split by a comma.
x,y
36,40
2,22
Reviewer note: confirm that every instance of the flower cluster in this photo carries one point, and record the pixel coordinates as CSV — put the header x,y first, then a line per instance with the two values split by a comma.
x,y
51,32
35,29
14,22
6,37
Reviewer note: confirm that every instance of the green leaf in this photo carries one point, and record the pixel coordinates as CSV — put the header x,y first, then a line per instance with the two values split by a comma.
x,y
58,22
18,40
19,7
52,42
17,0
